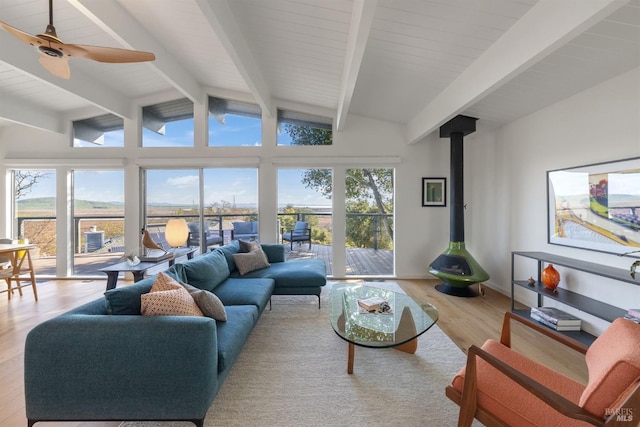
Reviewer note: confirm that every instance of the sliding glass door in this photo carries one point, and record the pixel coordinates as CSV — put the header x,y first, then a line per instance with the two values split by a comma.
x,y
98,219
369,222
210,200
304,196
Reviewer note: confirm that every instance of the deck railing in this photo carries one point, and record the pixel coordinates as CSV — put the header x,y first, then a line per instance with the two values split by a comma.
x,y
83,225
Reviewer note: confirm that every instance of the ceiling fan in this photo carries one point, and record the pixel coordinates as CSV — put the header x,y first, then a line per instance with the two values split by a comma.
x,y
54,54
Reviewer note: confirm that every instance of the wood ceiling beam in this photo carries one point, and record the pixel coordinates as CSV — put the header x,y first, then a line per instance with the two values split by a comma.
x,y
114,19
223,23
546,27
359,30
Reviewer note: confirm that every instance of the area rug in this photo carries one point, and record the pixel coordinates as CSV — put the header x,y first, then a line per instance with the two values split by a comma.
x,y
293,372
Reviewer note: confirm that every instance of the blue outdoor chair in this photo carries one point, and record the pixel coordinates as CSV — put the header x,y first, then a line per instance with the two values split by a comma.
x,y
300,233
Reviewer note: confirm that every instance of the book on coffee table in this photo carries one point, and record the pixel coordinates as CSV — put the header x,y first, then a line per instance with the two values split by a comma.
x,y
373,305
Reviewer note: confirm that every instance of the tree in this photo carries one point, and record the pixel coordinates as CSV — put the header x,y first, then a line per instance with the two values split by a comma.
x,y
25,180
361,184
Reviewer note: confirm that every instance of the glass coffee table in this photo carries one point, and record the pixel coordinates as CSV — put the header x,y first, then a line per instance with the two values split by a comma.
x,y
399,329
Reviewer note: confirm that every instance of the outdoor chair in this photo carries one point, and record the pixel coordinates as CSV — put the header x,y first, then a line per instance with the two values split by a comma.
x,y
300,233
501,387
212,238
245,230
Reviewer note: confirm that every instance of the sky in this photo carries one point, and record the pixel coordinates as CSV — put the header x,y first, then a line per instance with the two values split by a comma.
x,y
180,186
567,183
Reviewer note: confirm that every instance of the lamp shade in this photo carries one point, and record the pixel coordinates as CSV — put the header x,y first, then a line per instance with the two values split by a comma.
x,y
176,232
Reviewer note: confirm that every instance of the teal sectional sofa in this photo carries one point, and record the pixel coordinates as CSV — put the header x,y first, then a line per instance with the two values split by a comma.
x,y
105,361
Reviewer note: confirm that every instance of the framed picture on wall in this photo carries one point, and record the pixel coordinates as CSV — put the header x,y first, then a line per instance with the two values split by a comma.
x,y
596,206
434,191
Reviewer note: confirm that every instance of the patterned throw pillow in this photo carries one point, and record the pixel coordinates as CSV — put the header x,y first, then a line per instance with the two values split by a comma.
x,y
168,298
251,261
209,303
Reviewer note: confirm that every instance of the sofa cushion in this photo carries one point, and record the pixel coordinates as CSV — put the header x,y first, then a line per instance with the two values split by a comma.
x,y
126,299
208,303
233,334
206,271
236,291
613,361
248,262
275,252
228,250
293,273
168,298
177,272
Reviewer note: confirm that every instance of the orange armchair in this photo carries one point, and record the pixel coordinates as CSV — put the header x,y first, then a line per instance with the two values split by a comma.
x,y
501,387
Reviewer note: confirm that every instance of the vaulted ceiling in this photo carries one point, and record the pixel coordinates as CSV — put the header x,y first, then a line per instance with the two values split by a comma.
x,y
415,62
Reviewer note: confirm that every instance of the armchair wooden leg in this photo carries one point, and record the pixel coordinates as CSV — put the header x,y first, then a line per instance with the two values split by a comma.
x,y
469,404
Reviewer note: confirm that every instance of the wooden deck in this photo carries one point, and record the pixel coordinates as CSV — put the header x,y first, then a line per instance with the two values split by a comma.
x,y
360,262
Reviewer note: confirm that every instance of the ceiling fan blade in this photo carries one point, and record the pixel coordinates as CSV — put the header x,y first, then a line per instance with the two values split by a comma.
x,y
59,67
110,54
25,37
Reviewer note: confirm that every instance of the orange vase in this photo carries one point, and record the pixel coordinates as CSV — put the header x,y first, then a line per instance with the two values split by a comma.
x,y
550,277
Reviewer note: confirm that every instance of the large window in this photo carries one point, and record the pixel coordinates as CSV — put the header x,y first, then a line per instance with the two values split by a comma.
x,y
305,195
101,131
295,128
34,194
234,123
369,219
98,219
168,124
228,195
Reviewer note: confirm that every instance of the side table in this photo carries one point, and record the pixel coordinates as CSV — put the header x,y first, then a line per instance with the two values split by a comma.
x,y
139,270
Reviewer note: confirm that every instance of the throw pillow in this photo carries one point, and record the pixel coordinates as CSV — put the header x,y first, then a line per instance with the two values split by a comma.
x,y
208,303
251,261
168,298
247,246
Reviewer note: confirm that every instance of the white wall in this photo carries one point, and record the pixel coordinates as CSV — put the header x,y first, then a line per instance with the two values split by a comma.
x,y
507,173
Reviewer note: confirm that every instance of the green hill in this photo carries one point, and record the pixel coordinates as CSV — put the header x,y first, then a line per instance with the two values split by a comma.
x,y
49,204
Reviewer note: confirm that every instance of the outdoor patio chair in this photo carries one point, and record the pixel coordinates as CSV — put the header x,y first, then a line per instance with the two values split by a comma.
x,y
501,387
212,238
300,233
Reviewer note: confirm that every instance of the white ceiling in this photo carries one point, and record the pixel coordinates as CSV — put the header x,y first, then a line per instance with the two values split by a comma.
x,y
415,62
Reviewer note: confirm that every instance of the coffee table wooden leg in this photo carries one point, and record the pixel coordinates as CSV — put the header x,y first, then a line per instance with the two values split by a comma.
x,y
409,347
408,326
352,350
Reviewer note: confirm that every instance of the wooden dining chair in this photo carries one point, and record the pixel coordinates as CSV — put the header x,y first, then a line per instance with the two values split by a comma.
x,y
14,265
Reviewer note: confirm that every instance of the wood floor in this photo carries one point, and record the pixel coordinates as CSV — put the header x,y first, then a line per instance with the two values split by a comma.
x,y
466,320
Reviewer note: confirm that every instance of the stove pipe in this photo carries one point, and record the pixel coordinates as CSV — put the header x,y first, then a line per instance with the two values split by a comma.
x,y
455,266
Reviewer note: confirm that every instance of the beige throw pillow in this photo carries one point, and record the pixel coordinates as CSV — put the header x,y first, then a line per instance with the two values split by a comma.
x,y
168,298
251,261
208,302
